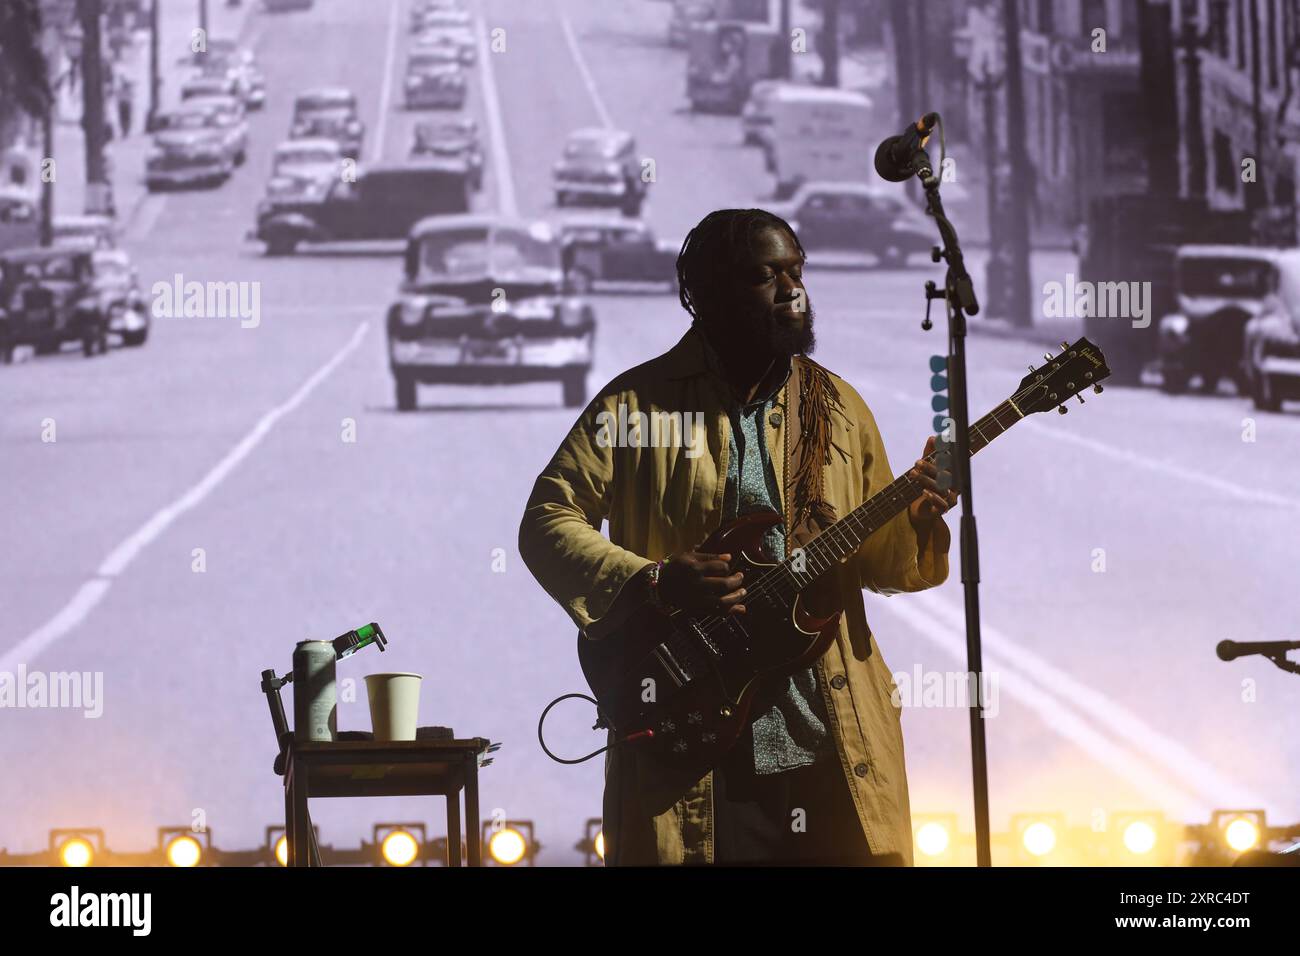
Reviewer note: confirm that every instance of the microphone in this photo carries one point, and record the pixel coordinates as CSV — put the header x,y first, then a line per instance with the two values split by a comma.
x,y
896,155
1231,650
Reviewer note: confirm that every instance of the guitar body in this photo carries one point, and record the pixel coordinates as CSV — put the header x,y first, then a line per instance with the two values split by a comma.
x,y
684,687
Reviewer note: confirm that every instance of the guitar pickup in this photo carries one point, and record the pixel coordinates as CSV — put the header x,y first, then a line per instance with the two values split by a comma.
x,y
678,674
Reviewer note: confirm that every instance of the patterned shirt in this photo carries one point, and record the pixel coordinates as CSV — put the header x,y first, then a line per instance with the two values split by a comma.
x,y
793,733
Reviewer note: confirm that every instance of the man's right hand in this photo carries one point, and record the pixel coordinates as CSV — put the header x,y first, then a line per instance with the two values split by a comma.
x,y
699,583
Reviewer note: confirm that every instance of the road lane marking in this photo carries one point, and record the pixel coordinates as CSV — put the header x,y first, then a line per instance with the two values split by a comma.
x,y
507,201
119,559
386,89
1062,720
1181,762
581,63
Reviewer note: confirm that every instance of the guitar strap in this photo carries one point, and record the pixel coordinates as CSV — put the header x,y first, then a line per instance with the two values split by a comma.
x,y
811,400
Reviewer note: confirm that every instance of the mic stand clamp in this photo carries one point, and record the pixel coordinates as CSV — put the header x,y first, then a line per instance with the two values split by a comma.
x,y
958,293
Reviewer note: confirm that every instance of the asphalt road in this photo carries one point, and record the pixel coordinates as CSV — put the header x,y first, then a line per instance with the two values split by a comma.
x,y
228,445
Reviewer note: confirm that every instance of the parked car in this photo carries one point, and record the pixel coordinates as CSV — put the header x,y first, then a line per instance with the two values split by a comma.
x,y
383,204
88,231
455,137
482,302
614,250
433,86
857,217
249,81
330,112
118,283
1271,339
439,16
1219,288
421,7
48,296
600,166
194,146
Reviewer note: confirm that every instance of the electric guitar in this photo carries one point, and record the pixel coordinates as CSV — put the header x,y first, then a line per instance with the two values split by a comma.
x,y
683,687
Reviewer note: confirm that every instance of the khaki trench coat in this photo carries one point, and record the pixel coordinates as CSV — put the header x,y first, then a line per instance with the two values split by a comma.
x,y
664,499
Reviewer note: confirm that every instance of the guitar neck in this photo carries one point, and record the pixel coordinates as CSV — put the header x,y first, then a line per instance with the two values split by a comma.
x,y
846,535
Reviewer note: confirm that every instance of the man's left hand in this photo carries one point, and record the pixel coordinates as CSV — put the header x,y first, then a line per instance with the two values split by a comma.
x,y
932,502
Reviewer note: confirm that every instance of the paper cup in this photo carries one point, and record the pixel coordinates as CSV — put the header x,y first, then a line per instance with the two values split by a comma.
x,y
394,705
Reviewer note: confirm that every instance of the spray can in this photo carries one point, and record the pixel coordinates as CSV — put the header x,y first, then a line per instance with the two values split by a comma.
x,y
315,701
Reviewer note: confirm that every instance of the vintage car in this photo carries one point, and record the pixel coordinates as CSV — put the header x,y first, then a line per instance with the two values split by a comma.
x,y
87,231
432,85
20,221
1218,289
425,17
119,287
455,137
196,145
305,161
49,296
249,81
329,112
857,218
600,167
459,41
483,302
382,204
598,250
1271,341
217,83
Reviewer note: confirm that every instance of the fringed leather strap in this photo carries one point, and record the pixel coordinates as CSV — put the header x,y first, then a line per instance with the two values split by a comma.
x,y
812,400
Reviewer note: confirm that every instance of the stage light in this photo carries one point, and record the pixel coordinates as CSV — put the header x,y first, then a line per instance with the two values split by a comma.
x,y
184,851
275,846
1241,834
592,844
507,846
282,850
935,838
1239,830
510,842
400,844
399,848
76,852
76,846
1139,837
183,846
932,839
1039,839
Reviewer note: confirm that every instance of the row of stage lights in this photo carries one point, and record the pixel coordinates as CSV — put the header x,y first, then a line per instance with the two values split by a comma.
x,y
511,843
1130,839
1138,838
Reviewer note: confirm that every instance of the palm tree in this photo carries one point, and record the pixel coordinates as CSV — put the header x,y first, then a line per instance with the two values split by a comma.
x,y
24,73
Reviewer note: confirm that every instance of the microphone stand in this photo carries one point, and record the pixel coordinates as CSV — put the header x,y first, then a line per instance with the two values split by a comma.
x,y
958,293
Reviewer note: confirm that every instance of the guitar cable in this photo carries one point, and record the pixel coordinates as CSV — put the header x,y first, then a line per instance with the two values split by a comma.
x,y
602,722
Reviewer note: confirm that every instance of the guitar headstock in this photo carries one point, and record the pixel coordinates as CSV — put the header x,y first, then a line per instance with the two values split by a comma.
x,y
1061,377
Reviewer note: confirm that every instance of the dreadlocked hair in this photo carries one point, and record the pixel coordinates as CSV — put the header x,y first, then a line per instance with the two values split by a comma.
x,y
718,245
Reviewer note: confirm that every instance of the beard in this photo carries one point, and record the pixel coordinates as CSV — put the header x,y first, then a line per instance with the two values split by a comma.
x,y
782,339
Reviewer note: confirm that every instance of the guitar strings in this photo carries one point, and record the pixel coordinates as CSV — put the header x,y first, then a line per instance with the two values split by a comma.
x,y
772,579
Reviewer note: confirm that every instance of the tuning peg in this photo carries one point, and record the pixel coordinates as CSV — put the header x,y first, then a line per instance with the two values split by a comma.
x,y
1062,409
1065,346
1032,369
1080,398
1047,356
1097,389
